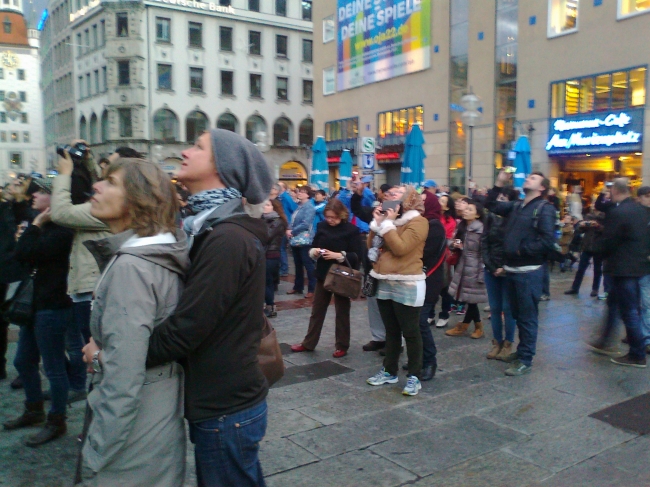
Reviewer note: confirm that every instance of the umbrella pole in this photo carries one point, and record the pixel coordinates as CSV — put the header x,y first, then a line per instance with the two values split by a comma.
x,y
471,144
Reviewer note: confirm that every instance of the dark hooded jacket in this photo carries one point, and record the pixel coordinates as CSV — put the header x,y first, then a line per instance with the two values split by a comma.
x,y
276,229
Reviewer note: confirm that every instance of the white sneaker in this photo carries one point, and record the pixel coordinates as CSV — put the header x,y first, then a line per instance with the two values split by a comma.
x,y
487,308
430,320
381,378
413,386
442,323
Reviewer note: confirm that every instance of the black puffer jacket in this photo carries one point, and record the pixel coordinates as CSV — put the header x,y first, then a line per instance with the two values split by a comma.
x,y
436,241
276,228
492,247
343,237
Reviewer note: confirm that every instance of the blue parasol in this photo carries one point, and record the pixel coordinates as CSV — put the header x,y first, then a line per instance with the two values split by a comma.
x,y
345,168
522,161
320,170
413,158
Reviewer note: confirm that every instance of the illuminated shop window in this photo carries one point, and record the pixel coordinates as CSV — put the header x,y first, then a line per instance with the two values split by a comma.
x,y
628,8
399,122
562,17
345,129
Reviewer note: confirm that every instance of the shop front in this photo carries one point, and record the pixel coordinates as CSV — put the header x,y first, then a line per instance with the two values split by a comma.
x,y
293,174
594,148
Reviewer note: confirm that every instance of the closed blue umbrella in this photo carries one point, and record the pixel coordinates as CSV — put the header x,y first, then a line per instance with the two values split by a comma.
x,y
522,161
413,158
320,170
345,167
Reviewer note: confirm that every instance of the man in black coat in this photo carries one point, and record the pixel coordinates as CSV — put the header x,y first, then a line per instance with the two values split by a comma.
x,y
625,245
529,238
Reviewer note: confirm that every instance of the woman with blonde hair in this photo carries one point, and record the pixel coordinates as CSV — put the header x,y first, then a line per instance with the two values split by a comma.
x,y
401,285
137,413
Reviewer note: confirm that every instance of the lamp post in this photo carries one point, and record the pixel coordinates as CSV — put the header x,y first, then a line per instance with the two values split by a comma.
x,y
470,116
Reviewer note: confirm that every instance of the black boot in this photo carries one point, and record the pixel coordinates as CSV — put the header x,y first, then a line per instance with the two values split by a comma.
x,y
53,429
17,383
428,371
33,414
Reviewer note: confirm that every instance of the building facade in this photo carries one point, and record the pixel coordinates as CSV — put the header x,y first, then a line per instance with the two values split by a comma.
x,y
153,75
21,128
564,73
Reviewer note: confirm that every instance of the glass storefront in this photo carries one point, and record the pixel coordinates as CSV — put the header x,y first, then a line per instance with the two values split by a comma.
x,y
293,173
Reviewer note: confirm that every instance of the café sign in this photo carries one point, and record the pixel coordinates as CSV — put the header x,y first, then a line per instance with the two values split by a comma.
x,y
614,131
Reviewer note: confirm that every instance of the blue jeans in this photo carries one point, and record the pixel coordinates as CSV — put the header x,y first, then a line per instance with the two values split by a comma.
x,y
644,285
499,303
428,344
77,335
624,300
585,257
272,271
45,339
226,448
284,260
302,261
524,291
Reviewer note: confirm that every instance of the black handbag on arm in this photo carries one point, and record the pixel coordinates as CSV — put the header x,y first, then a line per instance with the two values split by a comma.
x,y
19,309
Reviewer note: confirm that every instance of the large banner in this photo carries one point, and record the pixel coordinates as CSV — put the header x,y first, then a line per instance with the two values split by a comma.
x,y
381,39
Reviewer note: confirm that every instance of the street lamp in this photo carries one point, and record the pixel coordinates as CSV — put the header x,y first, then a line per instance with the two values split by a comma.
x,y
470,116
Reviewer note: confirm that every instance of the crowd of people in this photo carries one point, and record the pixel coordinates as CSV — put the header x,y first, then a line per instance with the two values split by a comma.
x,y
159,293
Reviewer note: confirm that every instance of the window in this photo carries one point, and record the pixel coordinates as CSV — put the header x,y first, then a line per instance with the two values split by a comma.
x,y
3,117
228,121
283,132
196,34
95,39
16,160
399,122
307,91
224,3
256,86
87,46
96,76
122,24
254,5
80,47
164,76
21,74
225,38
2,73
123,73
22,96
254,126
163,29
165,126
104,126
306,135
329,83
307,51
14,136
281,45
24,118
3,136
104,79
196,80
281,7
25,137
7,25
606,91
562,17
628,8
88,85
126,127
345,129
254,42
102,32
2,95
282,86
306,10
83,128
196,123
92,134
80,81
227,85
328,29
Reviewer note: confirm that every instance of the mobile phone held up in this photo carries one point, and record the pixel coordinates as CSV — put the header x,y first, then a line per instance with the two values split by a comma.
x,y
510,169
389,204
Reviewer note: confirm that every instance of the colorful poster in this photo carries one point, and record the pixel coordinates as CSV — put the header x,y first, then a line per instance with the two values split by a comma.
x,y
381,39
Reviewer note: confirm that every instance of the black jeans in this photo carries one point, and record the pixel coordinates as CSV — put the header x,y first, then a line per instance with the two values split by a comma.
x,y
4,331
585,257
429,350
272,275
399,320
472,314
446,304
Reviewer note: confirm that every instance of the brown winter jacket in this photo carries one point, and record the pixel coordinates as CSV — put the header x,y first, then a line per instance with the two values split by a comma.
x,y
468,284
401,254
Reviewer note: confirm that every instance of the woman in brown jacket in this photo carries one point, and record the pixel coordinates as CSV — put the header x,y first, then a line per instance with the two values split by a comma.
x,y
468,284
401,285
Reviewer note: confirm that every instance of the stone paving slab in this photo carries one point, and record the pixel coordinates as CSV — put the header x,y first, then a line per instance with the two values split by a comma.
x,y
592,474
280,455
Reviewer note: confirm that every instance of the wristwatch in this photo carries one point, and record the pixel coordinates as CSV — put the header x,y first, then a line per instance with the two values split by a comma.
x,y
97,365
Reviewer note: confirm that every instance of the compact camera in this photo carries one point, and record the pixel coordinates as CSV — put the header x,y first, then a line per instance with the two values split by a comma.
x,y
77,152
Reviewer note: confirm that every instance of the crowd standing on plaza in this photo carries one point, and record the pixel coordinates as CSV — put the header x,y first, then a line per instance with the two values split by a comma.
x,y
161,291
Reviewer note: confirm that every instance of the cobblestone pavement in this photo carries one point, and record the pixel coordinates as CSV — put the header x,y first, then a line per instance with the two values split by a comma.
x,y
469,426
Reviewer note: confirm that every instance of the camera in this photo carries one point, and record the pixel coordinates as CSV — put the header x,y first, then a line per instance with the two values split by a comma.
x,y
77,152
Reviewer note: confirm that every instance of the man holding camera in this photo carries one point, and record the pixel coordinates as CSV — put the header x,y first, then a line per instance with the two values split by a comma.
x,y
529,238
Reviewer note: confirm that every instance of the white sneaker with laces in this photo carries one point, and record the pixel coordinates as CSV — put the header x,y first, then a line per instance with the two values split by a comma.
x,y
442,323
382,377
413,386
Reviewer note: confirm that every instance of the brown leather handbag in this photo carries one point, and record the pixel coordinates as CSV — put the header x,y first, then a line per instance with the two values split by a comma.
x,y
343,281
269,355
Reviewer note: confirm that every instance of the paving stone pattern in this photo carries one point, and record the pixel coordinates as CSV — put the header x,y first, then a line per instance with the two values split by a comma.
x,y
470,426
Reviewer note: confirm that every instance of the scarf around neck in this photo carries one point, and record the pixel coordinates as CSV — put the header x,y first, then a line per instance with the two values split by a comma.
x,y
211,199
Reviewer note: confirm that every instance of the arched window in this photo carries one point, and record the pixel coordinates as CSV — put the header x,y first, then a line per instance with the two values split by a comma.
x,y
93,129
254,125
196,123
306,132
105,126
83,129
282,132
228,121
165,126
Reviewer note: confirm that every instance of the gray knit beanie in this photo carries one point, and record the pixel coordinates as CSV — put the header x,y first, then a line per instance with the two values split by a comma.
x,y
241,165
